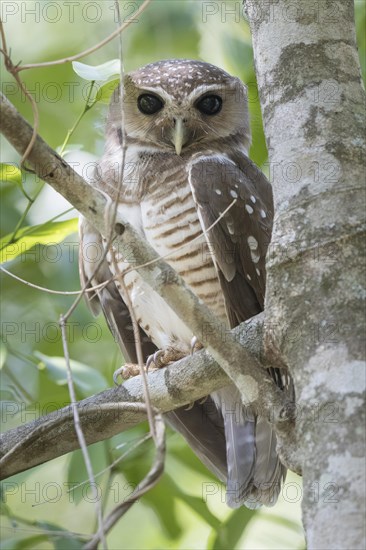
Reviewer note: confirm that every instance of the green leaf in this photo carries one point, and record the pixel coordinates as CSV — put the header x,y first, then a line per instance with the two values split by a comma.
x,y
31,542
27,237
69,542
161,499
105,92
195,503
60,540
3,355
230,531
102,72
9,173
4,508
77,474
200,507
289,523
17,543
186,456
87,380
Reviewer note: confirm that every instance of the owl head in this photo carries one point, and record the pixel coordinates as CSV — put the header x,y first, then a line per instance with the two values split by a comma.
x,y
181,105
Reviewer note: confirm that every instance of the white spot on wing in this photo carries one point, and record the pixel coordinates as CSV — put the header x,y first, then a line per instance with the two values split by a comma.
x,y
257,271
218,191
253,243
263,214
255,257
233,193
253,199
230,228
249,209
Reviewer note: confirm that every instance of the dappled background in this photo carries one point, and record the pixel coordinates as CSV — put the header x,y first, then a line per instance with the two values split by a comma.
x,y
187,509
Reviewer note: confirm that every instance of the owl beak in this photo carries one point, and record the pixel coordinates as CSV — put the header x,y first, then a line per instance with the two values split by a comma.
x,y
178,135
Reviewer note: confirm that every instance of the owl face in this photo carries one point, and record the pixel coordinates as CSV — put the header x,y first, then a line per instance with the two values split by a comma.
x,y
182,105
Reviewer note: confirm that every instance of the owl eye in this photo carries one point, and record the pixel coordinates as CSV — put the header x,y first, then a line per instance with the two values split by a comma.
x,y
149,104
209,105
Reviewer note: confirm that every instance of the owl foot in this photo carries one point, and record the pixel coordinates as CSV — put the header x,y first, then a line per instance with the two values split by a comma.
x,y
157,360
129,370
164,357
195,345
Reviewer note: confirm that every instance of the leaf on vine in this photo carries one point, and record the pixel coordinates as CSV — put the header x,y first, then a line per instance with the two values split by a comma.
x,y
87,380
103,72
105,92
49,233
10,174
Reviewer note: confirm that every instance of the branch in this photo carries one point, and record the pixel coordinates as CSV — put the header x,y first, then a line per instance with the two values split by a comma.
x,y
118,409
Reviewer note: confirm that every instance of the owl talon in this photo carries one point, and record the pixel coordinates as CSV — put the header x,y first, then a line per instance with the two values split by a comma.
x,y
190,406
154,359
164,357
195,345
129,370
117,373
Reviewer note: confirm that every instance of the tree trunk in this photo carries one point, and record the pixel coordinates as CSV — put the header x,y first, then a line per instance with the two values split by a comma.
x,y
312,102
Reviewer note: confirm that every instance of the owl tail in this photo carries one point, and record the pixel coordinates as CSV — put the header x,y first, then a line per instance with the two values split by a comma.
x,y
255,473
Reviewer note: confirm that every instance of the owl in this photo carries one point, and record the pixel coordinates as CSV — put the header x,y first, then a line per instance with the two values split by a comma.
x,y
189,188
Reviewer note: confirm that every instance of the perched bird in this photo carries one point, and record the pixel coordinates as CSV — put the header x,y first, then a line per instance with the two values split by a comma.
x,y
187,135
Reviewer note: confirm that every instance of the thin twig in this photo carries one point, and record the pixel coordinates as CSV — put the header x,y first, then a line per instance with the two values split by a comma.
x,y
49,290
14,71
148,483
137,340
86,108
110,467
80,433
136,328
84,53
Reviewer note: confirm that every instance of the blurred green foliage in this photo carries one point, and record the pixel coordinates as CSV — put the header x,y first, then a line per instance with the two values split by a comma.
x,y
39,510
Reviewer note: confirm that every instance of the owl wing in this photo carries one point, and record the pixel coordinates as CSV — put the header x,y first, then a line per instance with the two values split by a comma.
x,y
202,426
108,298
239,241
238,244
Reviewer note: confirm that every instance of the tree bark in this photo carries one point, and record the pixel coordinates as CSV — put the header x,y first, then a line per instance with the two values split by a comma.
x,y
313,106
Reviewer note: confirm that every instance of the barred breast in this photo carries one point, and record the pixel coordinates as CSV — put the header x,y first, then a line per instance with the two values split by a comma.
x,y
168,219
